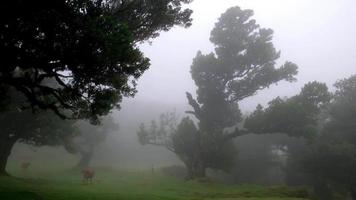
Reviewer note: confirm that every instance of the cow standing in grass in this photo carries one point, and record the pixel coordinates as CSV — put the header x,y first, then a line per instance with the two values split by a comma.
x,y
88,176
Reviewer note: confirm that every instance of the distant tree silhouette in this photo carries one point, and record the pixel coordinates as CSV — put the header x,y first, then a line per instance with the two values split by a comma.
x,y
89,137
183,139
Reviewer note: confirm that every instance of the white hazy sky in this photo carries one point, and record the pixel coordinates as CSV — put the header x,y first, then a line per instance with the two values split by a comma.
x,y
318,35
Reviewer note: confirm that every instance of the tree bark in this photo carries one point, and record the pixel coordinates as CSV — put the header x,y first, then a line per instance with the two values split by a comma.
x,y
85,159
195,170
5,150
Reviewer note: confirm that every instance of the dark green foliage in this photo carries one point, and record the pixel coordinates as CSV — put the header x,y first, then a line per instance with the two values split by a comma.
x,y
301,117
342,112
34,128
186,138
328,158
87,47
331,160
244,62
297,116
245,58
331,165
146,18
183,139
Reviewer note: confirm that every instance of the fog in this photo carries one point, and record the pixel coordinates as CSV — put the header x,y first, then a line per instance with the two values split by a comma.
x,y
316,35
271,145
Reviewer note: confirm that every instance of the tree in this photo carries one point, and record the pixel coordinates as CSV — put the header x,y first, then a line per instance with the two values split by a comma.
x,y
331,166
243,63
342,111
89,137
183,139
40,128
88,47
297,116
261,159
327,121
331,159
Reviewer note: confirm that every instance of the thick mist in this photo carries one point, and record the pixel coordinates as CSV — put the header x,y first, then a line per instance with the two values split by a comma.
x,y
254,92
317,35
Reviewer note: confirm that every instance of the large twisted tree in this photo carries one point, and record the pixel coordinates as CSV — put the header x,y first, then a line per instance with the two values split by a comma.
x,y
244,62
87,47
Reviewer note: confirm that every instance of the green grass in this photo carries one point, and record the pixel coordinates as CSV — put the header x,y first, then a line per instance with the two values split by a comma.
x,y
120,185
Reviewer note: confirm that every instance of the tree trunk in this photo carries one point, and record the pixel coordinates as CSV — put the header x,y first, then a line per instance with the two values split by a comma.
x,y
5,150
321,189
85,159
195,170
200,170
353,194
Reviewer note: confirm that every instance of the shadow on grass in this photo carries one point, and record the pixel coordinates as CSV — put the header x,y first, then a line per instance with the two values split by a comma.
x,y
19,195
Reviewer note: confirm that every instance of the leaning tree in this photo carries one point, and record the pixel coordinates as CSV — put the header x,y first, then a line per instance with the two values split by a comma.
x,y
244,62
88,47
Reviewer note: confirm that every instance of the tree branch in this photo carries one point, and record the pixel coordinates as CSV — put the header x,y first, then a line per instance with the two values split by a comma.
x,y
197,110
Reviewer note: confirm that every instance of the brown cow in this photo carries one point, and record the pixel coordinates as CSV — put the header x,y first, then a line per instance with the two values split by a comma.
x,y
88,176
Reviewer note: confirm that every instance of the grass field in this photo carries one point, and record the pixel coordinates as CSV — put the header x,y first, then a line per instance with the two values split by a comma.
x,y
138,185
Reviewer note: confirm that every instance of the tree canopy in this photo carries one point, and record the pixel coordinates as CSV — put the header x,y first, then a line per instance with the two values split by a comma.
x,y
297,116
331,159
244,62
87,47
25,126
183,139
326,120
77,58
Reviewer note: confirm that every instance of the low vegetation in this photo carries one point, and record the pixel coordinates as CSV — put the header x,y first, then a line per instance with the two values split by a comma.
x,y
117,185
